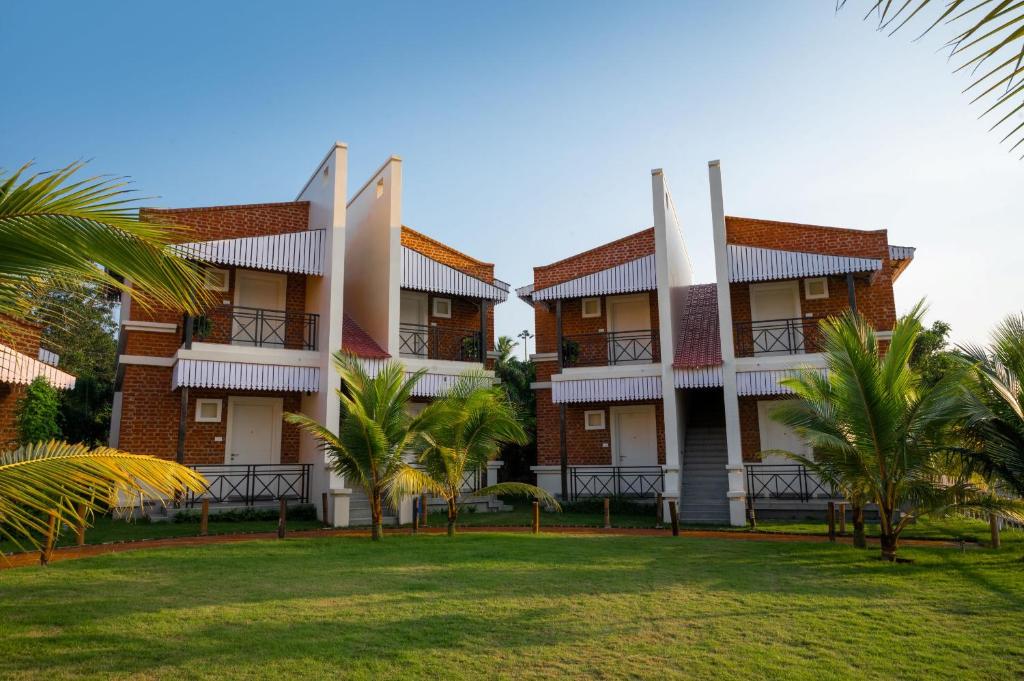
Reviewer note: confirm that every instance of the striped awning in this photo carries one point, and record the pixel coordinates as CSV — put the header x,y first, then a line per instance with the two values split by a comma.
x,y
421,273
702,377
901,252
202,373
298,252
606,389
764,382
629,277
748,263
21,369
429,385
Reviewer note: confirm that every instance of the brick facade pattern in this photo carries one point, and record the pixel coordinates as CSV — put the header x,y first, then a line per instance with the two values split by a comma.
x,y
584,447
445,254
596,259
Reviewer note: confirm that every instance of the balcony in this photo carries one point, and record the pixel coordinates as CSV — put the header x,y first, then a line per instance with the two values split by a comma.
x,y
256,328
423,341
613,348
777,337
627,482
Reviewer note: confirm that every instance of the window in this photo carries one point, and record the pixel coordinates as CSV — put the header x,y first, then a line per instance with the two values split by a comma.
x,y
215,279
593,420
591,308
208,411
816,288
443,307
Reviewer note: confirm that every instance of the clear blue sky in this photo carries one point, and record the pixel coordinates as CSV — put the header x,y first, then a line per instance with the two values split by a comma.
x,y
529,130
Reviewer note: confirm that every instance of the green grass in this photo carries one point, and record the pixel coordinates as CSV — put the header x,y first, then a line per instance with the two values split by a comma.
x,y
487,605
106,530
522,516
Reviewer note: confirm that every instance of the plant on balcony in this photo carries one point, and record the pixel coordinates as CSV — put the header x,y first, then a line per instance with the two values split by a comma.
x,y
880,432
471,349
477,419
202,327
570,352
375,433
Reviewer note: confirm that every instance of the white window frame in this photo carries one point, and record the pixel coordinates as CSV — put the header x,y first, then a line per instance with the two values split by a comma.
x,y
815,296
593,412
200,402
592,314
213,285
434,311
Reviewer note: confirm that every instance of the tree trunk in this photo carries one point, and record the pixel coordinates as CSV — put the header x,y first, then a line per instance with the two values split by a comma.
x,y
860,539
453,513
889,542
376,532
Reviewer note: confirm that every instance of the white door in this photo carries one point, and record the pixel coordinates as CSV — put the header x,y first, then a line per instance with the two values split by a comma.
x,y
254,430
630,337
634,435
775,435
777,328
413,332
259,317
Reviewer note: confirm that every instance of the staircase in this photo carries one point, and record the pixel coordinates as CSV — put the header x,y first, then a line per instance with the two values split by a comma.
x,y
359,511
705,482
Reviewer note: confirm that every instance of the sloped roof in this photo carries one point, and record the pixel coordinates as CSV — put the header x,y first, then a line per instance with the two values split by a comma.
x,y
357,342
699,344
422,273
21,369
629,277
298,252
750,263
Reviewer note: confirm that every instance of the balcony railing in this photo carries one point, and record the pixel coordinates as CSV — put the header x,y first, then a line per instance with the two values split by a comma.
x,y
259,328
249,484
776,337
634,482
439,342
790,482
611,349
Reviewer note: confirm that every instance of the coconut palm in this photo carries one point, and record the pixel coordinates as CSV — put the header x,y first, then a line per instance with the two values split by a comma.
x,y
477,418
59,231
376,430
47,484
877,430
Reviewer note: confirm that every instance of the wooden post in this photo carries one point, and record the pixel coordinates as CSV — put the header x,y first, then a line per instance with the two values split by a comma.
x,y
51,538
674,515
842,518
993,528
282,519
81,525
326,509
831,517
536,517
607,514
659,512
204,519
423,506
415,514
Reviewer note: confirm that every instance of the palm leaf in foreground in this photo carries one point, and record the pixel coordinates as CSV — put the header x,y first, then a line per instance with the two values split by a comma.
x,y
52,479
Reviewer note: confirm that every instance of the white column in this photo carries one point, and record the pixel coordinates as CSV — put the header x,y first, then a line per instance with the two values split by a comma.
x,y
735,470
492,472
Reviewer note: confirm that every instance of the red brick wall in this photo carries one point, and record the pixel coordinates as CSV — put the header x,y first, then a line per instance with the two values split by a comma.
x,y
584,446
575,324
9,396
596,259
443,253
465,316
20,335
231,222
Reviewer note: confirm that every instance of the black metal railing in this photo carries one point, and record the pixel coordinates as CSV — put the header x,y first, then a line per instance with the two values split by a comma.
x,y
634,482
256,327
776,337
473,480
790,482
439,342
611,348
251,483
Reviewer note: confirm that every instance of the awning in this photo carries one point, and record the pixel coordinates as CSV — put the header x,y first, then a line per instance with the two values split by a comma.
x,y
429,385
748,263
764,382
421,273
606,389
629,277
703,377
901,252
202,373
297,252
21,369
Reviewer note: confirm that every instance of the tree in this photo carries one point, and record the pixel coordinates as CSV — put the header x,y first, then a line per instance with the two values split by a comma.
x,y
876,428
932,357
48,482
376,430
477,419
36,413
516,376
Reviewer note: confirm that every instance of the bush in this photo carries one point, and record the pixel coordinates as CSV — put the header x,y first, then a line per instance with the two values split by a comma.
x,y
616,505
241,515
37,412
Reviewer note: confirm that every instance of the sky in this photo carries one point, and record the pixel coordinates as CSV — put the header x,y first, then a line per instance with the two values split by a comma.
x,y
528,130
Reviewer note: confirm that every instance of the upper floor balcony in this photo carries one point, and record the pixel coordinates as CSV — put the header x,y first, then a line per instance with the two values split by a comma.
x,y
773,337
426,341
611,348
255,328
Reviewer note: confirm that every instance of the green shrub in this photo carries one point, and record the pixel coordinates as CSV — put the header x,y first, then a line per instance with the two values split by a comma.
x,y
37,412
616,505
241,515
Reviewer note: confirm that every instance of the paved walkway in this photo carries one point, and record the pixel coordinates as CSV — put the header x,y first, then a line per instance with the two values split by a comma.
x,y
73,552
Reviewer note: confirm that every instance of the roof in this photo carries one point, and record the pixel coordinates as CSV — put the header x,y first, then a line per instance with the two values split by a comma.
x,y
749,263
422,273
699,344
357,342
21,370
299,252
636,275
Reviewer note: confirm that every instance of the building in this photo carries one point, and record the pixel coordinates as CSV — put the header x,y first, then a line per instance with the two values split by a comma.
x,y
297,281
648,396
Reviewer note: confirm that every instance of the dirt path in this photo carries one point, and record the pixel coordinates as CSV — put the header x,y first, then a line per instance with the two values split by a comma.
x,y
73,552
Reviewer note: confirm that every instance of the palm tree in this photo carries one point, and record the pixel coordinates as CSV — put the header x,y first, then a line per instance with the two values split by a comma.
x,y
477,419
58,231
376,430
878,431
48,484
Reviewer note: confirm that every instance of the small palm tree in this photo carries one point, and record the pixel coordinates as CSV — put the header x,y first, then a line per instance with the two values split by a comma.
x,y
376,430
476,420
47,484
878,432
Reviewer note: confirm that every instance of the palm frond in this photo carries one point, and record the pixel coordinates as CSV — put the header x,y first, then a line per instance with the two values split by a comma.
x,y
521,489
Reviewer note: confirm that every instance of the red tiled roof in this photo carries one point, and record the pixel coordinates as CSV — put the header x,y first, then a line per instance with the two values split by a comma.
x,y
357,342
699,344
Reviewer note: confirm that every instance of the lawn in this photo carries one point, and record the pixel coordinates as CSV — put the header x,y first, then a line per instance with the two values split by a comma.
x,y
516,606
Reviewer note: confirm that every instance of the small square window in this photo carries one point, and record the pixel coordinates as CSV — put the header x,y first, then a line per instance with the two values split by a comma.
x,y
215,279
593,420
208,411
816,288
443,308
591,307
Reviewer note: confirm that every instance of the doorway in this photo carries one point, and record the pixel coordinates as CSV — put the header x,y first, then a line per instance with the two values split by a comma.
x,y
253,430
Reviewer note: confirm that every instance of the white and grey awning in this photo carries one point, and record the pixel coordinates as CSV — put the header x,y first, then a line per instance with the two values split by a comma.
x,y
701,377
202,373
298,252
749,263
21,369
629,277
623,389
421,273
901,252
